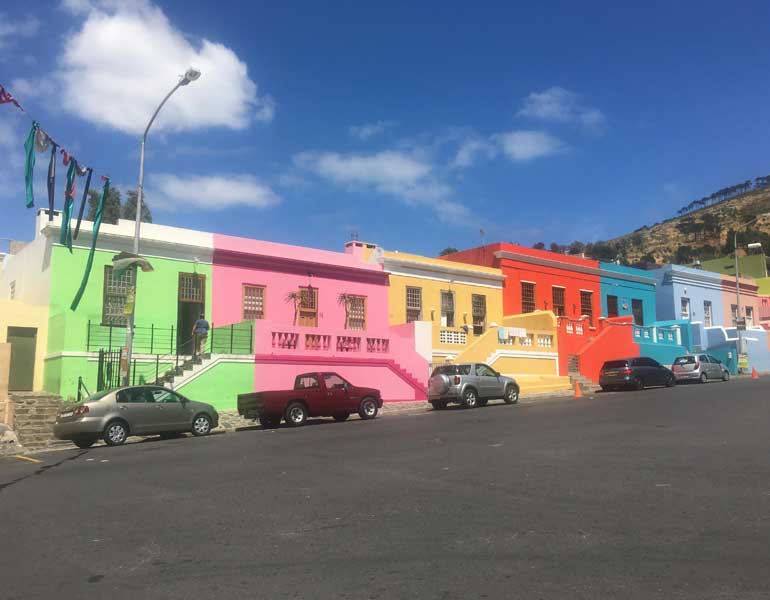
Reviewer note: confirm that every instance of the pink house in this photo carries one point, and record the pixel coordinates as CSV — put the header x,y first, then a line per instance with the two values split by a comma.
x,y
750,301
315,310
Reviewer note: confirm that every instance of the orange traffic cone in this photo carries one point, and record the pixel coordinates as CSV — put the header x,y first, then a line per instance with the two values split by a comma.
x,y
754,374
578,391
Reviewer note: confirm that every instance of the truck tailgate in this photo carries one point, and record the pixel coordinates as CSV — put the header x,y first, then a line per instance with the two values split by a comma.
x,y
250,405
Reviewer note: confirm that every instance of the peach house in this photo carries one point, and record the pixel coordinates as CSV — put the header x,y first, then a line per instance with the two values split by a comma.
x,y
316,310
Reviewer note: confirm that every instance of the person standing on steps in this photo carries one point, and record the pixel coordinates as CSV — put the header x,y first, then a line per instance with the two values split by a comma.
x,y
200,332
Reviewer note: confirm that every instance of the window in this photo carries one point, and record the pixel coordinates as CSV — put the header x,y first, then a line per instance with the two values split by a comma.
x,y
734,311
612,306
749,316
334,381
485,371
452,370
587,305
703,358
356,312
192,288
527,297
707,318
479,308
165,396
306,381
135,395
559,305
637,309
114,296
447,309
253,302
413,304
308,306
685,303
12,290
716,361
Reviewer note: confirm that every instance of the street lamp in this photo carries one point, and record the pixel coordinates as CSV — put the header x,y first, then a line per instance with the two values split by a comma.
x,y
738,281
190,75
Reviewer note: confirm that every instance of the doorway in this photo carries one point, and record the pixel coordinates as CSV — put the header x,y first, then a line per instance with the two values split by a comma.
x,y
23,341
191,304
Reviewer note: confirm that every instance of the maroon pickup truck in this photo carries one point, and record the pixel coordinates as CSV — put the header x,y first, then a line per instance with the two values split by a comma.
x,y
314,395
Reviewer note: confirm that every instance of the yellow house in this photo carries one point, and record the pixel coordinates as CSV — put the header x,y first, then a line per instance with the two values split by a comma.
x,y
25,328
460,301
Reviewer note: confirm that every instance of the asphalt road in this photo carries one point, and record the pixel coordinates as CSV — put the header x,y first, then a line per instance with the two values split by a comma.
x,y
652,494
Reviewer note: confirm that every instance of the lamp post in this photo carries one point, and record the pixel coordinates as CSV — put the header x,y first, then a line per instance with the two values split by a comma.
x,y
190,75
738,283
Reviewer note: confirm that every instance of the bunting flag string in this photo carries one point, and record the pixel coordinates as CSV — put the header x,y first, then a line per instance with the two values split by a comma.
x,y
29,166
51,180
83,202
94,236
5,98
65,238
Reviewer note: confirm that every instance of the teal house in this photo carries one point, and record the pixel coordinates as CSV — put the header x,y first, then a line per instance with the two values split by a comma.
x,y
628,291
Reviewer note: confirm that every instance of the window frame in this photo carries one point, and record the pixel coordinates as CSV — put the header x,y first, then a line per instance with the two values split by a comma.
x,y
447,318
555,305
589,294
109,282
349,310
308,312
252,286
684,301
708,315
526,302
617,306
193,277
480,327
411,309
637,302
748,312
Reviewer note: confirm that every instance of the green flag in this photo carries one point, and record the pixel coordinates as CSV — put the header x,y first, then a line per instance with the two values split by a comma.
x,y
29,167
65,239
95,234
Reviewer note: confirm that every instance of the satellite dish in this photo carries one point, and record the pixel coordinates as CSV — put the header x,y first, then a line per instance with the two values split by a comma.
x,y
377,256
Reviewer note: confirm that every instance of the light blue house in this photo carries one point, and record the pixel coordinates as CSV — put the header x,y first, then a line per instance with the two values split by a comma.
x,y
687,294
628,291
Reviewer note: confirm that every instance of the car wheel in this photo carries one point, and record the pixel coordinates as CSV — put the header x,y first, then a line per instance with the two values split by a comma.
x,y
115,433
638,383
726,376
339,417
84,443
438,404
483,401
368,408
704,378
201,425
269,422
296,414
470,399
606,388
671,381
511,394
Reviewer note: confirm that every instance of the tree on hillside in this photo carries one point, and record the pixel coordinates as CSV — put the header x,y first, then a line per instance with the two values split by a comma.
x,y
539,246
684,255
129,207
577,247
558,248
448,250
111,209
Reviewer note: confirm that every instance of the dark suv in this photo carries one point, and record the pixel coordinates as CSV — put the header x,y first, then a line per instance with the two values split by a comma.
x,y
636,373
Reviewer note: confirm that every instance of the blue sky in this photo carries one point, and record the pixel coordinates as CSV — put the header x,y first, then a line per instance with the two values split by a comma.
x,y
413,124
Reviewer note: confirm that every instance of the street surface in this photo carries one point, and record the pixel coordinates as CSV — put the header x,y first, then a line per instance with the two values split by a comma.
x,y
663,493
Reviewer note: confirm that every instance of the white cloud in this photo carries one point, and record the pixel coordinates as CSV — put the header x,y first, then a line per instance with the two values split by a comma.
x,y
11,30
563,106
126,55
24,88
367,130
470,149
520,146
407,177
209,192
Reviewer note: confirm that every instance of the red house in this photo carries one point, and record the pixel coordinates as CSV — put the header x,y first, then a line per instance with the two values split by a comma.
x,y
540,280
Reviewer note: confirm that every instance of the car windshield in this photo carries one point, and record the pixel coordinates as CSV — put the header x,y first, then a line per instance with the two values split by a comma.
x,y
684,360
615,364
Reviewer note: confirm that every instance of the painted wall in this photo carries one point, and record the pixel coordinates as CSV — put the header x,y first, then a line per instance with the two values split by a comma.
x,y
545,269
221,384
758,348
14,313
614,341
748,293
29,271
433,276
282,269
627,290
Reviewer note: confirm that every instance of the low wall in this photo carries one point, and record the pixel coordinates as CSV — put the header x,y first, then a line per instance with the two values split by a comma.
x,y
34,414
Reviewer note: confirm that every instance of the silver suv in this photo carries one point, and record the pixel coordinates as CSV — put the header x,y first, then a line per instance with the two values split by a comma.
x,y
471,385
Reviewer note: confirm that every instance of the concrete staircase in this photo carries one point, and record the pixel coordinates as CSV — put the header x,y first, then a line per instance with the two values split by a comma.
x,y
411,379
177,376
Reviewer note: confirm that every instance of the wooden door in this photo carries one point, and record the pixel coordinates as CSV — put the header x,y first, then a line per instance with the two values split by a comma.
x,y
308,307
22,372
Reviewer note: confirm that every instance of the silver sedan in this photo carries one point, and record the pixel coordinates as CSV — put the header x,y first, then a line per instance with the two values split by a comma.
x,y
113,415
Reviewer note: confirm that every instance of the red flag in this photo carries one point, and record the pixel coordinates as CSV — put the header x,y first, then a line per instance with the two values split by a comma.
x,y
6,97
